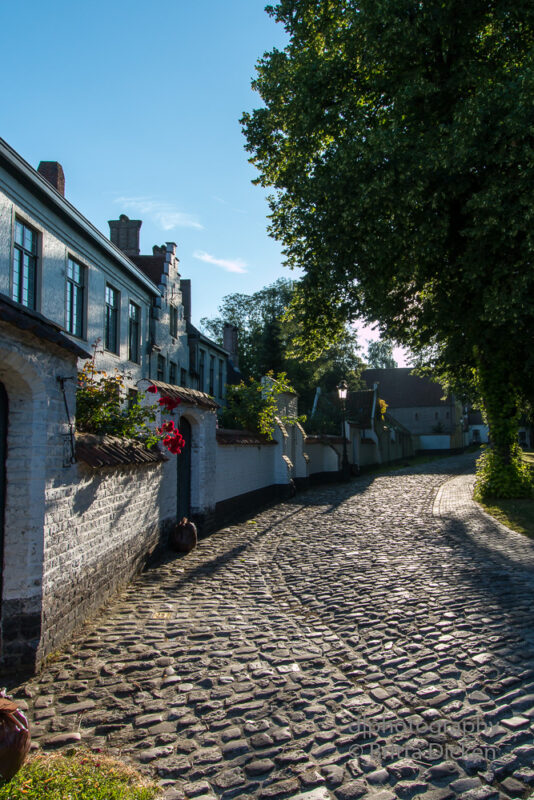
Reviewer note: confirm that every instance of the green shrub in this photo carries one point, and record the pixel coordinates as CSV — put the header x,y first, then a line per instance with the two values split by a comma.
x,y
253,406
101,407
494,478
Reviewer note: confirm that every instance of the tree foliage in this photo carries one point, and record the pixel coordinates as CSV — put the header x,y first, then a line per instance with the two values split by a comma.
x,y
380,354
253,405
397,137
266,340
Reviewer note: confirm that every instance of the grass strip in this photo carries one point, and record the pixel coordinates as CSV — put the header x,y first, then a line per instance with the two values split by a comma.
x,y
515,514
77,775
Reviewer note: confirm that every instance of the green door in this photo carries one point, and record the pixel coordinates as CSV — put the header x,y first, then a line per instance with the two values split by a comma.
x,y
183,467
3,456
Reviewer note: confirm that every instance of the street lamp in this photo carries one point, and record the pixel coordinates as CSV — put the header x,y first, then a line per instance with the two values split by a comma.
x,y
342,390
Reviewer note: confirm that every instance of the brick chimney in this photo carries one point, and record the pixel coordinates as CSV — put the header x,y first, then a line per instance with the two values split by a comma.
x,y
230,342
52,171
124,233
185,288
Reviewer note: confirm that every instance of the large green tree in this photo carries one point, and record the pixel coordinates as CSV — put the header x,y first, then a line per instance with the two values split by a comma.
x,y
398,138
265,340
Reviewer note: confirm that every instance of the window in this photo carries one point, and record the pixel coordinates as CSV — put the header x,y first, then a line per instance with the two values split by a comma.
x,y
75,299
212,375
201,359
416,416
183,377
173,321
161,369
221,387
134,332
25,265
172,372
111,333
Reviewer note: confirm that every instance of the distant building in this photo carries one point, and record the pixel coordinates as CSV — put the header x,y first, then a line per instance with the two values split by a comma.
x,y
421,406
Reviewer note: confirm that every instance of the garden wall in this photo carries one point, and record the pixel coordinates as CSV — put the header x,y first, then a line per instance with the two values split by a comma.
x,y
250,471
100,527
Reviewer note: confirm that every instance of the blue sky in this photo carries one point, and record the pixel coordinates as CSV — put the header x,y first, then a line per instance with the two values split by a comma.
x,y
140,103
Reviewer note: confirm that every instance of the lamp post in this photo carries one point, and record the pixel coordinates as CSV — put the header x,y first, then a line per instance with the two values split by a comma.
x,y
342,390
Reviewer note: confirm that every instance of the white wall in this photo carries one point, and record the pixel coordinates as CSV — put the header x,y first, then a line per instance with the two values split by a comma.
x,y
323,458
436,442
243,468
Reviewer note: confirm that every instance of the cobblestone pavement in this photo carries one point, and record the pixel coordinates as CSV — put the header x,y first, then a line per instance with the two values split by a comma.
x,y
370,640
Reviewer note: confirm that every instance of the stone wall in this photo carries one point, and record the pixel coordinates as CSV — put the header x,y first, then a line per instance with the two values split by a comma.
x,y
242,469
37,448
72,535
100,526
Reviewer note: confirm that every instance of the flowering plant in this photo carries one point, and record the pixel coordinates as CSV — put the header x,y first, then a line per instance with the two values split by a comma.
x,y
102,408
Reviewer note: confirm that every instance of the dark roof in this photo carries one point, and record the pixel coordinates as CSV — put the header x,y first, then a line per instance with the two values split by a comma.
x,y
323,438
114,451
195,335
360,407
191,396
401,389
27,176
475,417
229,436
152,266
31,321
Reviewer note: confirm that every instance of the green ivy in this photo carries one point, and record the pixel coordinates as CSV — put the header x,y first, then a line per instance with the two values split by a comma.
x,y
495,478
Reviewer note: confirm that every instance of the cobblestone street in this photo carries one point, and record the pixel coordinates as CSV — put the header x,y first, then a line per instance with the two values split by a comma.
x,y
374,639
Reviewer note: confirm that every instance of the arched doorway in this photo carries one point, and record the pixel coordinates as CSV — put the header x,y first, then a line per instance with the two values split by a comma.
x,y
183,469
3,456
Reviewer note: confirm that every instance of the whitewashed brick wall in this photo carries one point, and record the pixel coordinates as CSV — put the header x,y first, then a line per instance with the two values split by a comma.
x,y
323,458
99,527
243,468
37,433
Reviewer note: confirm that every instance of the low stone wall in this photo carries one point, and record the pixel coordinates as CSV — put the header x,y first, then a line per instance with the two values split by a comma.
x,y
324,457
243,467
100,528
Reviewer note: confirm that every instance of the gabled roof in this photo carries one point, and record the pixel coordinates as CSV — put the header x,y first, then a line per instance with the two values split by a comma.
x,y
360,407
26,175
114,451
195,335
31,321
152,266
191,396
401,389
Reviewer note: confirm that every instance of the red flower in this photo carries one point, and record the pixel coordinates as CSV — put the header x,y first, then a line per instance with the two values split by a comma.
x,y
169,402
152,389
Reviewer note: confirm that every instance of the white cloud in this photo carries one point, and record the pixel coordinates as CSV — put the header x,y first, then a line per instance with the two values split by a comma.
x,y
165,215
230,265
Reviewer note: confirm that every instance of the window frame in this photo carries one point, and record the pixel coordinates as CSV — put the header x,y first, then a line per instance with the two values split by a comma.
x,y
73,288
211,384
134,322
160,368
17,285
173,321
112,314
201,369
173,372
221,378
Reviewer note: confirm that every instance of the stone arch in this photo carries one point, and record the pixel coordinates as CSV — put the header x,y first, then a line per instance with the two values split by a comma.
x,y
23,551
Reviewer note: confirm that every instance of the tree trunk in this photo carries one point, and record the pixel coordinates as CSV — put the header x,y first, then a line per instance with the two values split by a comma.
x,y
501,408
